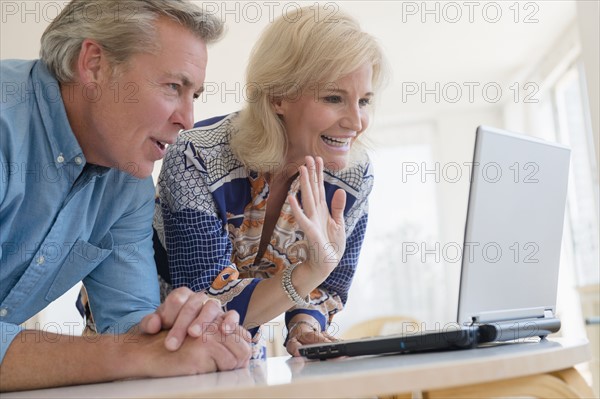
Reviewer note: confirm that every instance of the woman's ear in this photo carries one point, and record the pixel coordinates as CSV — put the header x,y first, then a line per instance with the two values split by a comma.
x,y
90,61
278,106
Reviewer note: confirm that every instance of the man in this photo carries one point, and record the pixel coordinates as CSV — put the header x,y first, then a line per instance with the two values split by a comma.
x,y
81,130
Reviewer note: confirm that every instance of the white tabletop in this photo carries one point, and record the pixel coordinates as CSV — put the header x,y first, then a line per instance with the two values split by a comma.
x,y
282,377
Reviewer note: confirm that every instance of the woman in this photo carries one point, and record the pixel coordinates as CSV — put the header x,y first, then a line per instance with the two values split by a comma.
x,y
229,212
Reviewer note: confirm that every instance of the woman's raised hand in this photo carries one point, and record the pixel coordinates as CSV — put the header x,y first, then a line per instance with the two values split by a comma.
x,y
325,231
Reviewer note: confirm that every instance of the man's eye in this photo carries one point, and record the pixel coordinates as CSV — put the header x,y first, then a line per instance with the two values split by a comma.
x,y
173,86
333,99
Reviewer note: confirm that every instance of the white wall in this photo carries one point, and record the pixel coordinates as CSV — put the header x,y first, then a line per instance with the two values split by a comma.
x,y
588,13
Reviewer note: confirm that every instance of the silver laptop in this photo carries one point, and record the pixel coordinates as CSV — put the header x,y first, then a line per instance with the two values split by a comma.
x,y
511,251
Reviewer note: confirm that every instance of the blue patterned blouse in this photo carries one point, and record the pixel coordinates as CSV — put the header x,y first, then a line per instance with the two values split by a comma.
x,y
210,213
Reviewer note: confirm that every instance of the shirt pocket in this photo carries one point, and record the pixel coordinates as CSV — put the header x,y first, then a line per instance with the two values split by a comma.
x,y
81,260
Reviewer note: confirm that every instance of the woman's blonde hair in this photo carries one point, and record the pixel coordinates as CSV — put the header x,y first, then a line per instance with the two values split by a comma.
x,y
300,51
122,28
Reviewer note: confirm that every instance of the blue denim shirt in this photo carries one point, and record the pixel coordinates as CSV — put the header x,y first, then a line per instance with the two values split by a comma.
x,y
63,220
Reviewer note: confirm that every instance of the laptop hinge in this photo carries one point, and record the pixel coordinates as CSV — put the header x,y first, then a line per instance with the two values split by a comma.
x,y
512,314
548,313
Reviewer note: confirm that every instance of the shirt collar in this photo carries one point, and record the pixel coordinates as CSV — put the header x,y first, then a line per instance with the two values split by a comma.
x,y
63,142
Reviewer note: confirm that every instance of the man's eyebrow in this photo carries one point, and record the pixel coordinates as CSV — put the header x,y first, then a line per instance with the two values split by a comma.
x,y
185,81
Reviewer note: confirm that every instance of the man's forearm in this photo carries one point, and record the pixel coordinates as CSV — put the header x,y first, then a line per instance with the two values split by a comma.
x,y
38,359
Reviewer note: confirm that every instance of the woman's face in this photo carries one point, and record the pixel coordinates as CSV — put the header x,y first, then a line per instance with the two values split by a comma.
x,y
326,120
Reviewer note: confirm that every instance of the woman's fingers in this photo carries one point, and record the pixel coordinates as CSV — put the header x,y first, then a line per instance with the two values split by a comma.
x,y
320,183
324,229
338,204
313,188
298,213
306,189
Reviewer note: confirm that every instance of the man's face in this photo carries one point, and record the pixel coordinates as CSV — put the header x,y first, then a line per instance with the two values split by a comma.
x,y
144,106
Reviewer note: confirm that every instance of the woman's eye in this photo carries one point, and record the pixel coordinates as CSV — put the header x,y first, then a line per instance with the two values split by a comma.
x,y
333,99
363,102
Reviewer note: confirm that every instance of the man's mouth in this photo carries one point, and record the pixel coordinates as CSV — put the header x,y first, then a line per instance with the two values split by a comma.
x,y
160,144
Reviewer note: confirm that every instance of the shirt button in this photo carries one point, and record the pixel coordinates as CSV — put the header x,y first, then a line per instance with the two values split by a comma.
x,y
3,312
78,160
41,260
60,159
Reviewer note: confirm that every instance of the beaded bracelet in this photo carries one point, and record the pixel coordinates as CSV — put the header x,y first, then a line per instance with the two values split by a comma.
x,y
286,283
295,324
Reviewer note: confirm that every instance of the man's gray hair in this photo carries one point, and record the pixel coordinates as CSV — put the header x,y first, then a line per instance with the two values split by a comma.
x,y
121,27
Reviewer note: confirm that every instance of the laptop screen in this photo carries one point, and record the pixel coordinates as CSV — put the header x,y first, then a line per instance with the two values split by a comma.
x,y
513,232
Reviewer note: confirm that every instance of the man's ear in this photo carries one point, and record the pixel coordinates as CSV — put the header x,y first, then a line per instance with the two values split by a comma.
x,y
90,61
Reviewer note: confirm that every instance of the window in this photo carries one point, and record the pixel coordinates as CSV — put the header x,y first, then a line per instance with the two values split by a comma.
x,y
573,129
